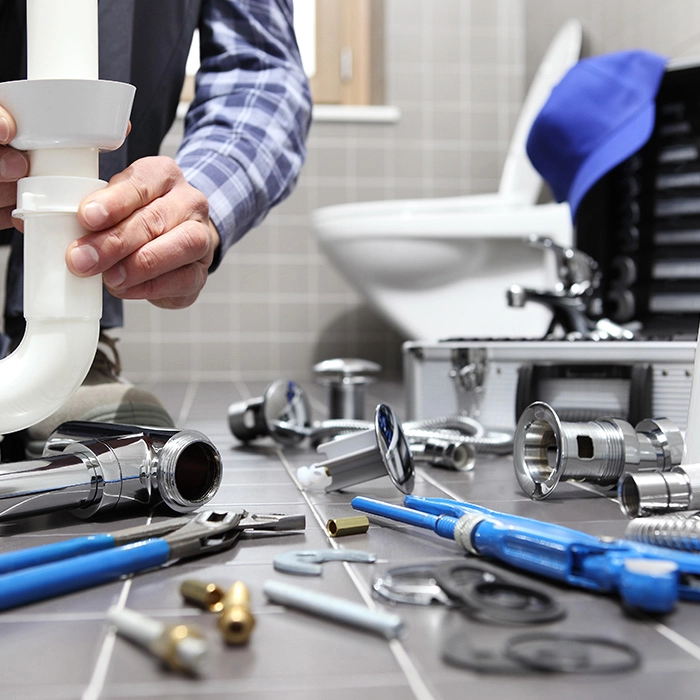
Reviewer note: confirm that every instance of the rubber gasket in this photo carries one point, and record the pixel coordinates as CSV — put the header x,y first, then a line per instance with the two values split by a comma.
x,y
511,602
565,654
560,653
492,598
458,651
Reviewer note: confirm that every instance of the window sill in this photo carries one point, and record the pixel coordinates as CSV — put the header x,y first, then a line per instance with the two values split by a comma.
x,y
356,114
367,114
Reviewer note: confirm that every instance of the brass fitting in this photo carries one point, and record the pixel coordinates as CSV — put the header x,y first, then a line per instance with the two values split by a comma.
x,y
205,595
236,622
339,527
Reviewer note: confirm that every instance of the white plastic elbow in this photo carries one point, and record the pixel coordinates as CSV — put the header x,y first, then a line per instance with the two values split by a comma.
x,y
64,115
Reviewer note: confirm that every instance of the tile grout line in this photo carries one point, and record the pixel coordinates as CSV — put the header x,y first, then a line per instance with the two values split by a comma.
x,y
187,401
678,639
413,677
99,675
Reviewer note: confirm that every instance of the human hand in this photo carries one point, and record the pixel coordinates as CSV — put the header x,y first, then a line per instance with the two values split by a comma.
x,y
150,235
13,166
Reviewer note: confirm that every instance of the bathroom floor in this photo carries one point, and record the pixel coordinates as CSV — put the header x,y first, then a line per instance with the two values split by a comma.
x,y
63,648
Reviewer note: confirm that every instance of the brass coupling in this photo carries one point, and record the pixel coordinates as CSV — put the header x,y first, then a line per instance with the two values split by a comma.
x,y
235,620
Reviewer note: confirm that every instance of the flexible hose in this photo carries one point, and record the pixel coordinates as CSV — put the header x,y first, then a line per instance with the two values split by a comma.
x,y
451,428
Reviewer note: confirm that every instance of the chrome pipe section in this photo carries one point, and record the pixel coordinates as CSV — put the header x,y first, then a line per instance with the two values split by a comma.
x,y
677,531
547,450
458,456
93,468
655,493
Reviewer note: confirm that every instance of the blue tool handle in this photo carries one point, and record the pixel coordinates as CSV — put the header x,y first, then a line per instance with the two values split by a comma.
x,y
443,525
46,553
59,577
530,549
545,529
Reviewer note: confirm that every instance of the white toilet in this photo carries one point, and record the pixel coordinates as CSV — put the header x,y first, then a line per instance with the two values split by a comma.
x,y
441,268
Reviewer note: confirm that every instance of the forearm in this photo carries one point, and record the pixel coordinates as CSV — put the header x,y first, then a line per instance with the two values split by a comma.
x,y
245,132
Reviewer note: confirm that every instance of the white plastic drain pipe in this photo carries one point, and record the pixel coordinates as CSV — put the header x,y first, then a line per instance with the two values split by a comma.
x,y
64,116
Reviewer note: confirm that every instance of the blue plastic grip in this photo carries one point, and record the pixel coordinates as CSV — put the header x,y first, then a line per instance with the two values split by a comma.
x,y
59,577
443,525
46,553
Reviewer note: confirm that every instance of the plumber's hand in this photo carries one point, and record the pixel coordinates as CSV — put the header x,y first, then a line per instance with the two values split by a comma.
x,y
13,165
151,235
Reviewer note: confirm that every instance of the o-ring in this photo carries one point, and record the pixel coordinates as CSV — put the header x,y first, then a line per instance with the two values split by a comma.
x,y
560,653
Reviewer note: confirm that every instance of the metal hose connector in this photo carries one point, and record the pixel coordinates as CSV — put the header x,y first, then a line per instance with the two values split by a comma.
x,y
677,530
655,493
98,467
548,451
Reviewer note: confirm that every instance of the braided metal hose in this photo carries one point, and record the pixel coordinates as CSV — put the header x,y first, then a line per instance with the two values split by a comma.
x,y
448,428
677,530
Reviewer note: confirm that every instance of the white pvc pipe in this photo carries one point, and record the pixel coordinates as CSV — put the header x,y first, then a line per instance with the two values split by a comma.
x,y
62,39
62,311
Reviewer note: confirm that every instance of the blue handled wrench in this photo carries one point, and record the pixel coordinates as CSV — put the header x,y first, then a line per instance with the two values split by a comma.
x,y
646,577
50,570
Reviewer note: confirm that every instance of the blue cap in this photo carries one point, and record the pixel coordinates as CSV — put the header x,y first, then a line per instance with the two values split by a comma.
x,y
601,112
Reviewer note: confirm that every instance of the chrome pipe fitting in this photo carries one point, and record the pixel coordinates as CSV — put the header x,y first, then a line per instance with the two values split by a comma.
x,y
365,455
547,450
283,413
655,493
127,466
458,456
346,379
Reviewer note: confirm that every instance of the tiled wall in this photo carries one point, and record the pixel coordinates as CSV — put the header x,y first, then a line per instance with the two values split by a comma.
x,y
457,69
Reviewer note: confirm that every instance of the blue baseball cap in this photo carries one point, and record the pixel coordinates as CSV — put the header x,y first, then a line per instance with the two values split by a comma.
x,y
601,112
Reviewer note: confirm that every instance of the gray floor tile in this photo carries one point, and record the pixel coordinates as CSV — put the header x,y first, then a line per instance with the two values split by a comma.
x,y
63,647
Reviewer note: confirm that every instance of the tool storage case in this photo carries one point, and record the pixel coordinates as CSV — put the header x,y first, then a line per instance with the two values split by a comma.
x,y
641,224
494,380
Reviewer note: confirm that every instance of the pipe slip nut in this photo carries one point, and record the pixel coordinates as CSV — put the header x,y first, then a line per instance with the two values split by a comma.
x,y
547,450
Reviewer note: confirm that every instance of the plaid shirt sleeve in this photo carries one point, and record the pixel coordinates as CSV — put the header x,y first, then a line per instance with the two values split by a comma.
x,y
245,131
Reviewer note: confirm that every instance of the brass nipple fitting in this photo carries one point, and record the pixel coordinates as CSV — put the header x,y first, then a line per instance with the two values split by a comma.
x,y
236,622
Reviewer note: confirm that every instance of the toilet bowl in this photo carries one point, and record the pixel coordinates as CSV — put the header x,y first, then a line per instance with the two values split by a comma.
x,y
441,268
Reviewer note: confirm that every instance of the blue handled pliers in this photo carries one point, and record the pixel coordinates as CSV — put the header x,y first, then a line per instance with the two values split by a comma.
x,y
50,570
646,577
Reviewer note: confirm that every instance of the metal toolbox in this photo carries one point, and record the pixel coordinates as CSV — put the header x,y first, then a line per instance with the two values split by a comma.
x,y
494,380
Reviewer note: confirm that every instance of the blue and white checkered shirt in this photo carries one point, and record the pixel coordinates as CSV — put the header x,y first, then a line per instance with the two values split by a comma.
x,y
245,130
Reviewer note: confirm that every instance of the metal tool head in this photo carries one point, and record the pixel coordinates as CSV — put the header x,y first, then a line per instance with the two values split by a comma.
x,y
213,531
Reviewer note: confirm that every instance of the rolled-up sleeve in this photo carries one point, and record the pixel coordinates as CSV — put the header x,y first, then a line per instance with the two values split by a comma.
x,y
245,131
